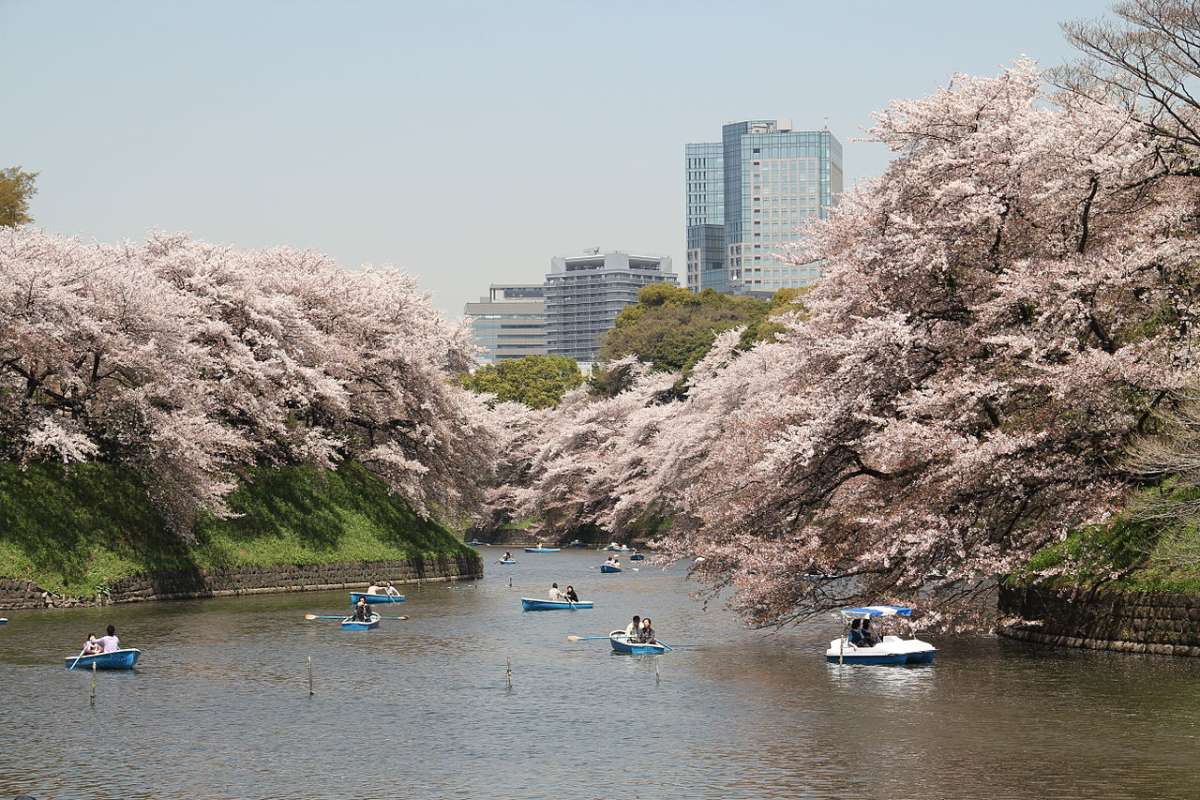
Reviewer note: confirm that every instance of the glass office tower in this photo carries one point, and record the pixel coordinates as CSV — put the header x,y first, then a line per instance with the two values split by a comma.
x,y
584,295
775,179
706,217
510,322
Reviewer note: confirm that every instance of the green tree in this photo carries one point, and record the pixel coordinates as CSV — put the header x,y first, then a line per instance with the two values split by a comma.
x,y
16,187
536,381
672,328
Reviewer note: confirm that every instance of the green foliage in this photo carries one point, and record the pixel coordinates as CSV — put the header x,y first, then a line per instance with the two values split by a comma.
x,y
536,381
16,187
75,531
672,328
1133,551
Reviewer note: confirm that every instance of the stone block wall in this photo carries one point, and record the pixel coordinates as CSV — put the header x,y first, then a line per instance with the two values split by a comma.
x,y
1164,623
253,580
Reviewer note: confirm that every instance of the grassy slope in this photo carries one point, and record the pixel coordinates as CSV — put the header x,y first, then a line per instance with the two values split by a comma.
x,y
75,532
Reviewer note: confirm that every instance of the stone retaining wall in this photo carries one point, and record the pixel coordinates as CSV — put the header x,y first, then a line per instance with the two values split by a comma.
x,y
1132,622
16,594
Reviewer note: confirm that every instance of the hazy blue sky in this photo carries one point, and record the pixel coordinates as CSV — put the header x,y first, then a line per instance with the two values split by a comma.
x,y
464,142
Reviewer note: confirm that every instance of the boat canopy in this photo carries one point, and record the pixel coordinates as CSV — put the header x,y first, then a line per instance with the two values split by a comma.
x,y
876,611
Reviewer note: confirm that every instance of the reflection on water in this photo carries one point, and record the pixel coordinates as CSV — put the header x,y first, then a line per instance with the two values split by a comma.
x,y
219,706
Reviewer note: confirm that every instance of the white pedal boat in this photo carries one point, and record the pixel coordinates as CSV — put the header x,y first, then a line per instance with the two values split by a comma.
x,y
888,650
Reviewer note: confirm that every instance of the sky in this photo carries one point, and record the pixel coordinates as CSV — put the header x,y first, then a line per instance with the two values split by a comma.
x,y
464,142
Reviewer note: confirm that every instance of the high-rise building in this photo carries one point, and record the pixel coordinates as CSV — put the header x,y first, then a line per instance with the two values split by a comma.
x,y
510,322
584,295
773,180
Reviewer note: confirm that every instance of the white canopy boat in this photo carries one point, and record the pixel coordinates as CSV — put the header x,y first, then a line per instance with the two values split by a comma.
x,y
887,650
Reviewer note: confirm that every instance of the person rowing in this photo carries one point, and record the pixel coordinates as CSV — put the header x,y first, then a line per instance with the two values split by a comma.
x,y
362,612
646,634
507,556
391,590
570,594
92,647
633,629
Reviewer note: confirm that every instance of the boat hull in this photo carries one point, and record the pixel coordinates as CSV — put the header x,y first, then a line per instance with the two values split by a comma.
x,y
118,659
542,549
534,604
376,599
351,624
609,568
891,651
621,644
617,549
506,563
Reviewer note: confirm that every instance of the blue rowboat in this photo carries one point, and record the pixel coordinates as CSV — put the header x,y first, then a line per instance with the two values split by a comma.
x,y
637,557
542,549
376,599
352,624
621,644
505,561
117,659
533,604
617,548
609,568
3,620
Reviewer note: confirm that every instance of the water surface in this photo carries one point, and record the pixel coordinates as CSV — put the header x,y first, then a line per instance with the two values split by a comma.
x,y
219,705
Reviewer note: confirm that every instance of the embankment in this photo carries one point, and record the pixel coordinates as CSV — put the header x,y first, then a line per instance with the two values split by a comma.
x,y
89,534
1164,623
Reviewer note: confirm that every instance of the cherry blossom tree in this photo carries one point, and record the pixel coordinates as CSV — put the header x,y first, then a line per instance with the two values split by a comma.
x,y
189,362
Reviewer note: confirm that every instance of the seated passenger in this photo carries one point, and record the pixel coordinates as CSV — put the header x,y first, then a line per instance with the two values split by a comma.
x,y
373,589
633,629
647,633
855,636
555,593
868,636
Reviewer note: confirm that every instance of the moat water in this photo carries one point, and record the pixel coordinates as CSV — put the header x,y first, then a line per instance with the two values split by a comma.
x,y
219,706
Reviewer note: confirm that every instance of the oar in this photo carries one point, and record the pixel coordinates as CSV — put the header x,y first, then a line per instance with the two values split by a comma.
x,y
574,638
664,644
76,661
340,616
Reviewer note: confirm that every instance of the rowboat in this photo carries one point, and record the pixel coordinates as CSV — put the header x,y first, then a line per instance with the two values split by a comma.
x,y
3,620
637,557
376,599
889,650
621,644
617,548
475,543
534,604
506,561
542,549
609,568
117,659
352,624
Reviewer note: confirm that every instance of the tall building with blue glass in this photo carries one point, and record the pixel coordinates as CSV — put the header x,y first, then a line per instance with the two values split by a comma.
x,y
772,181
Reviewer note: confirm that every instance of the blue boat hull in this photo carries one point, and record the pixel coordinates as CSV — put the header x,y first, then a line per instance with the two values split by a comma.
x,y
542,549
354,625
637,557
119,659
533,604
376,599
609,568
507,563
620,644
889,660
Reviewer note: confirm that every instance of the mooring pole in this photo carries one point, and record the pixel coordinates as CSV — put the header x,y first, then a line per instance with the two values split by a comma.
x,y
93,698
310,682
508,672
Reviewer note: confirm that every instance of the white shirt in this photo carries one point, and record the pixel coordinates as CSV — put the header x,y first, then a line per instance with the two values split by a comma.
x,y
391,590
110,643
631,630
555,594
372,589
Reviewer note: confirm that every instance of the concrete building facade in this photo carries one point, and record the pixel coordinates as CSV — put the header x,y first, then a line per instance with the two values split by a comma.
x,y
510,322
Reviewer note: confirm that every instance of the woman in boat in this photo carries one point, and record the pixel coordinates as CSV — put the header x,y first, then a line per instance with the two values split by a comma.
x,y
362,612
570,594
507,556
633,629
647,633
91,647
391,590
869,639
855,636
555,592
109,643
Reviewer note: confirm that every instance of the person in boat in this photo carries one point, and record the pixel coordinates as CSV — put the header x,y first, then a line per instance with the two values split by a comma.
x,y
633,629
91,647
869,639
362,611
374,589
570,594
646,635
109,643
507,556
391,590
555,592
855,636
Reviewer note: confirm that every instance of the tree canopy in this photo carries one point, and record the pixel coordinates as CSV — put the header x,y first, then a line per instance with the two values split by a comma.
x,y
16,187
536,381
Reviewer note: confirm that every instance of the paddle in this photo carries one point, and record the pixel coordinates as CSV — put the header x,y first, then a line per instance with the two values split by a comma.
x,y
574,638
76,661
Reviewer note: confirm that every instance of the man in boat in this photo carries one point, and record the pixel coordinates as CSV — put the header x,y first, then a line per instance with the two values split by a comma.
x,y
362,611
507,556
855,636
391,590
374,589
109,643
633,629
555,594
869,639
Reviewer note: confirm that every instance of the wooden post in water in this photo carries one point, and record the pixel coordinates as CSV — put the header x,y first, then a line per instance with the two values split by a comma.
x,y
93,699
657,677
508,672
510,581
310,685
